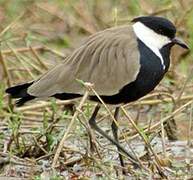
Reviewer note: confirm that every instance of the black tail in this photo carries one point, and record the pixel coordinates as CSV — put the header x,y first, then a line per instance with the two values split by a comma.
x,y
20,91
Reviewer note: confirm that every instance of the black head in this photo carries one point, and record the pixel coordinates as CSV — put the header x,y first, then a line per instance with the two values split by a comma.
x,y
158,24
161,26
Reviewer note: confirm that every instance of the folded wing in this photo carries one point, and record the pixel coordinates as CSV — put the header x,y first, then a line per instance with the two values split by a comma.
x,y
108,59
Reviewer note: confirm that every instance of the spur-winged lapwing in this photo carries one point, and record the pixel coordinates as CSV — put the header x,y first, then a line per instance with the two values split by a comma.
x,y
124,63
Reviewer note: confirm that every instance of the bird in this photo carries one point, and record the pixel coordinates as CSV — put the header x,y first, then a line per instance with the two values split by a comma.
x,y
124,63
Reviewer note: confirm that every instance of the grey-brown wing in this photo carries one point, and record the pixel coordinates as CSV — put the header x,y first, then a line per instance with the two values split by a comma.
x,y
108,59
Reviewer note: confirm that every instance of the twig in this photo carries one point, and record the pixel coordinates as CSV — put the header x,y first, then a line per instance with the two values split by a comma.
x,y
163,136
157,125
36,48
5,69
152,102
23,49
33,113
42,105
29,61
7,76
184,85
172,114
158,101
36,142
59,149
71,162
91,135
55,52
44,156
22,63
190,126
11,25
38,58
142,136
108,110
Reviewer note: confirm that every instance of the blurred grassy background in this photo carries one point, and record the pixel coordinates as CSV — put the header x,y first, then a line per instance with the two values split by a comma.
x,y
35,35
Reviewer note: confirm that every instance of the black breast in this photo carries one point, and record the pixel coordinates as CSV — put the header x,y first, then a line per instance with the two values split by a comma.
x,y
150,74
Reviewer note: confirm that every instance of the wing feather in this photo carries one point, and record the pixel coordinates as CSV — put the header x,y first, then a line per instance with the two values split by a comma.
x,y
108,59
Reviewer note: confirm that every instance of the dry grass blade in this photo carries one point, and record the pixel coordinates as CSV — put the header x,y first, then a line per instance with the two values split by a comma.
x,y
91,135
190,125
172,114
184,85
152,102
102,102
42,105
38,58
6,74
23,49
163,137
59,149
11,25
29,61
55,52
21,61
143,136
158,101
158,125
5,69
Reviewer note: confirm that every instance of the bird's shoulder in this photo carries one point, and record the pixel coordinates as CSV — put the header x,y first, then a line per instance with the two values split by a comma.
x,y
122,38
113,32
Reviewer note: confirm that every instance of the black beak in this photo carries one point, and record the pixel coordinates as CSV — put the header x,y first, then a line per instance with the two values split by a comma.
x,y
180,43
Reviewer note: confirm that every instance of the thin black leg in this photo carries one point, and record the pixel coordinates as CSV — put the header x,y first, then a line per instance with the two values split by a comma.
x,y
114,128
94,125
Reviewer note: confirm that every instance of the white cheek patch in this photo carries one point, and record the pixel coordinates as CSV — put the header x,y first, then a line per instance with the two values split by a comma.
x,y
151,39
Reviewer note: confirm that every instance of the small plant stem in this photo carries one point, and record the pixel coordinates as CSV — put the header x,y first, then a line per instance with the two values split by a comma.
x,y
59,149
